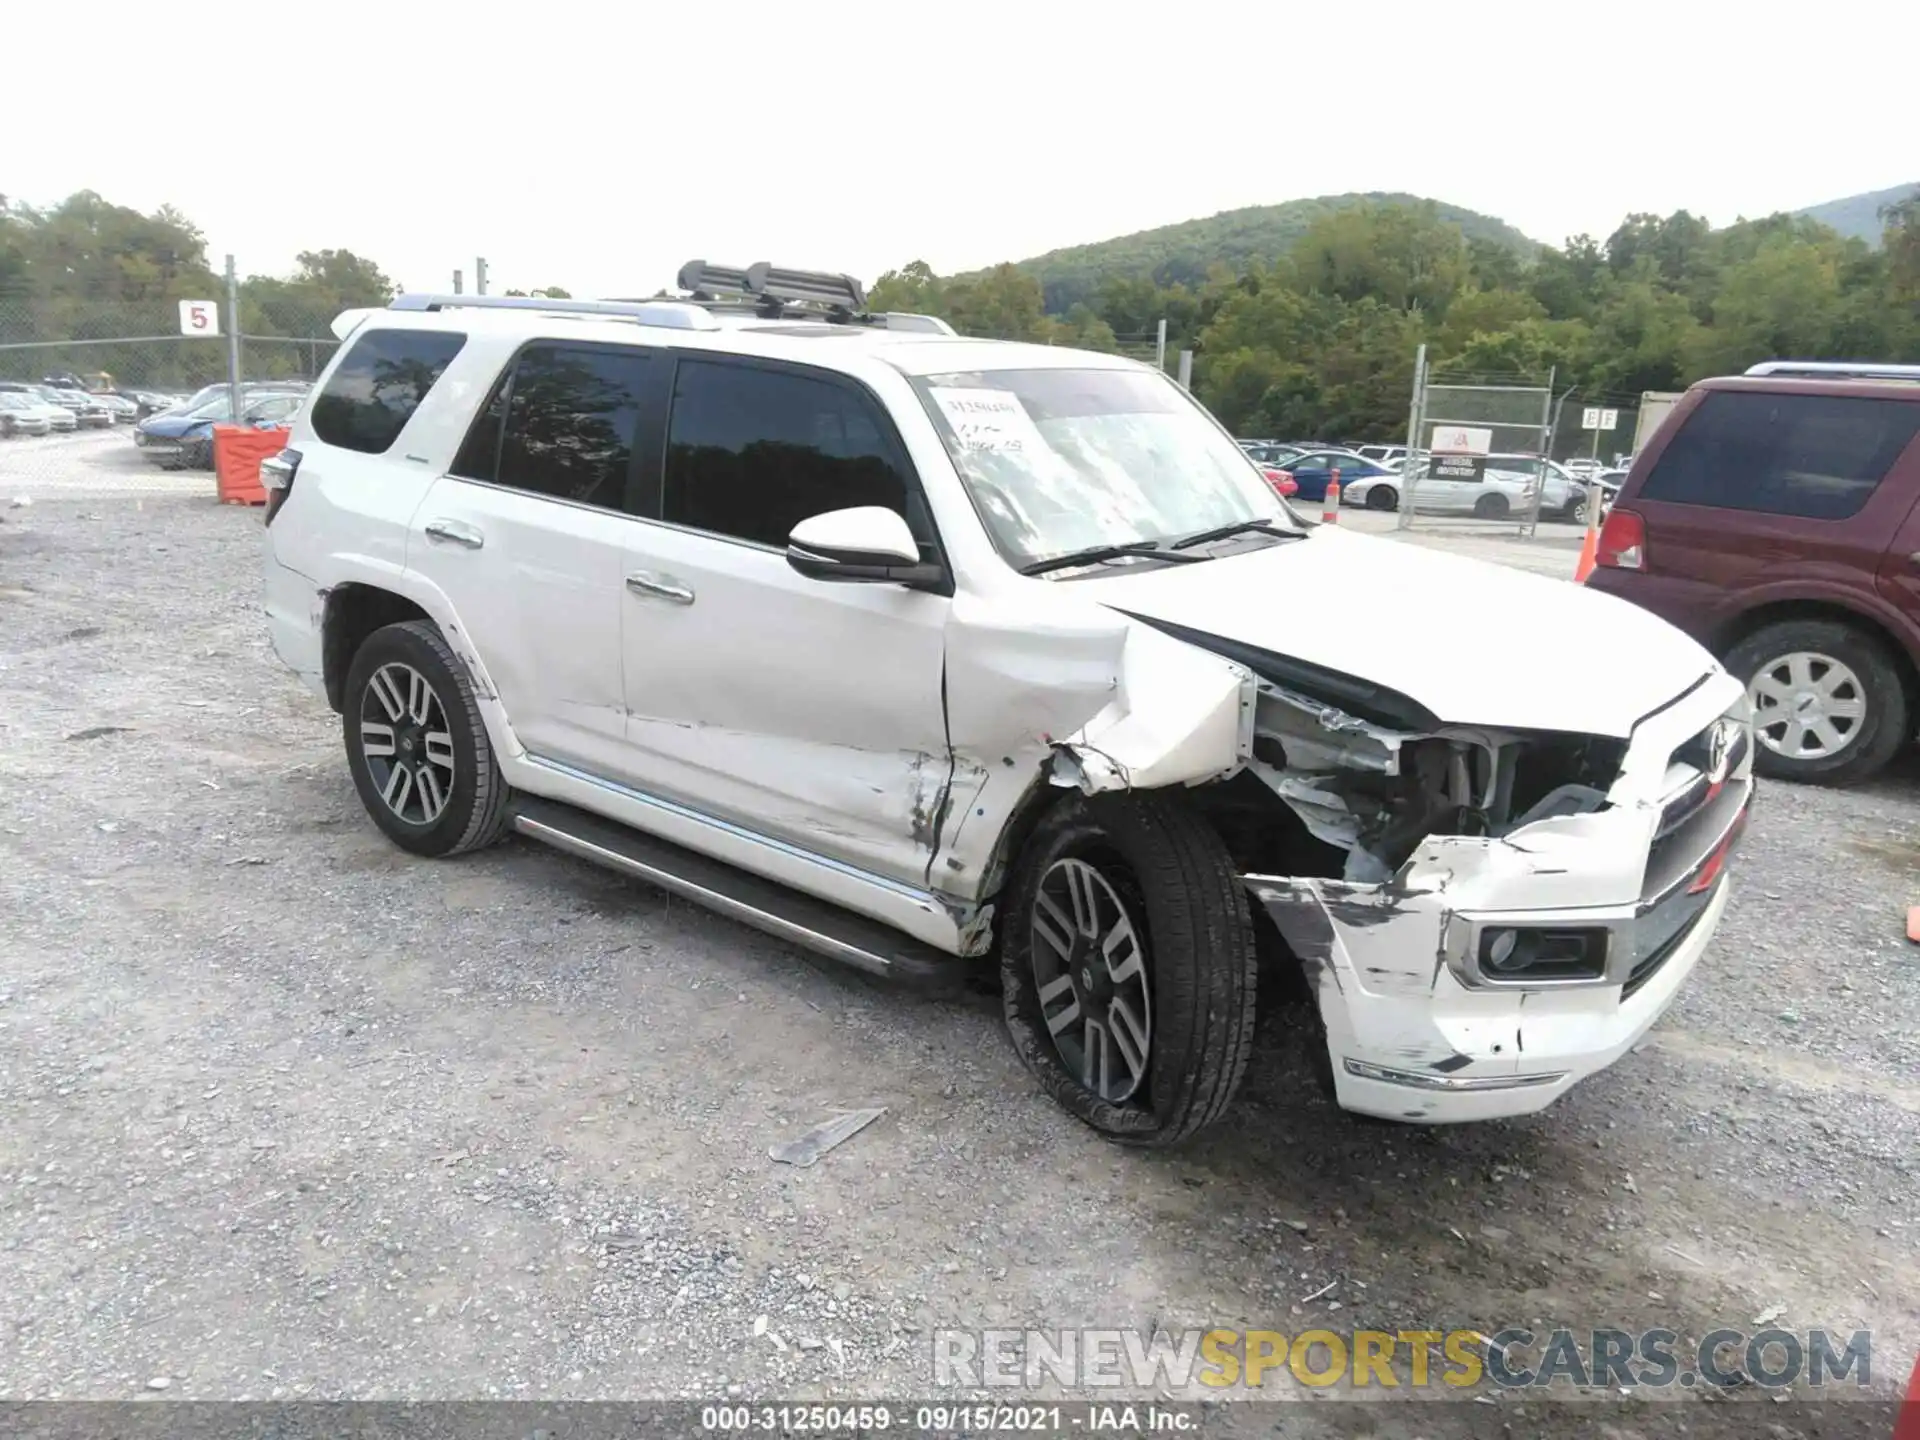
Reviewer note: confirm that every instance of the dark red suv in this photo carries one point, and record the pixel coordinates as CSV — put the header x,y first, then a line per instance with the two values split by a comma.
x,y
1775,516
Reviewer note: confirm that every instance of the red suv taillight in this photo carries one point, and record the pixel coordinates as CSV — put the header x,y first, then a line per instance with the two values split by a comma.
x,y
1623,542
276,478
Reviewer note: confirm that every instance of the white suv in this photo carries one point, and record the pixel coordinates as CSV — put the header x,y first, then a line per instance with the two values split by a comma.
x,y
914,650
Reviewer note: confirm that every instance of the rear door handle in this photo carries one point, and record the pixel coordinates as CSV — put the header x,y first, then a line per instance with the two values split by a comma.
x,y
663,587
454,532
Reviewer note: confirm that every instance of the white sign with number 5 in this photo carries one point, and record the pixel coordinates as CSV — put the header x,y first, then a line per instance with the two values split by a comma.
x,y
199,317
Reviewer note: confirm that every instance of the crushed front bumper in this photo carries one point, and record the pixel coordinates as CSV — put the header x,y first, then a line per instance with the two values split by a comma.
x,y
1419,1029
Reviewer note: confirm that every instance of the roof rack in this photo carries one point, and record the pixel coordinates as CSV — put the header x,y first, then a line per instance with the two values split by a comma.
x,y
1835,370
777,293
673,314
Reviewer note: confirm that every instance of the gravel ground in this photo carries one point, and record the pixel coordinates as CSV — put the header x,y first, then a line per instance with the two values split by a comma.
x,y
292,1114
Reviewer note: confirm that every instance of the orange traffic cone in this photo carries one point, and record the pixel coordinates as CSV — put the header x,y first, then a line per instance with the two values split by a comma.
x,y
1330,506
1589,549
1906,1425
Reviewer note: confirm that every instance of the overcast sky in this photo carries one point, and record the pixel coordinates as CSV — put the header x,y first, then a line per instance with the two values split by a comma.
x,y
598,146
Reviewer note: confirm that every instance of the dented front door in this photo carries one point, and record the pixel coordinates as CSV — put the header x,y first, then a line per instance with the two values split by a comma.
x,y
806,711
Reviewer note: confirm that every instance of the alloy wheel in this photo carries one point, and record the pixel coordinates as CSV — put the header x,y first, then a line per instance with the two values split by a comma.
x,y
406,743
1090,971
1807,706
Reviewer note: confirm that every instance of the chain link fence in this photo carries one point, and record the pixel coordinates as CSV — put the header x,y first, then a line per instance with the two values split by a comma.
x,y
95,395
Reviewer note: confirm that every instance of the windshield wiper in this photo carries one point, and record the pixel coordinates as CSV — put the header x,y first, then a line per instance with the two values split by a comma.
x,y
1093,554
1239,527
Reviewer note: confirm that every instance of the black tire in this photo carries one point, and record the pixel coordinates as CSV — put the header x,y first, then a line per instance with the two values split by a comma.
x,y
197,455
1491,507
1883,730
1184,898
476,803
1382,497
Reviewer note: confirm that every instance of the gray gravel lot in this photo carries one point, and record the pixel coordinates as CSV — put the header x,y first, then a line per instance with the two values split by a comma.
x,y
288,1113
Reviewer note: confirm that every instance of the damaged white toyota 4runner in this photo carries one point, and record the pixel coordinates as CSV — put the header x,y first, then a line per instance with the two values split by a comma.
x,y
914,649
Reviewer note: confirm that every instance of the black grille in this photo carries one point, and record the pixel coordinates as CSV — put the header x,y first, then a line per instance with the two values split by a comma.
x,y
1648,965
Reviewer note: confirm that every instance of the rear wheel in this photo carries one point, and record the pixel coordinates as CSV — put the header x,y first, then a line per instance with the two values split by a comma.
x,y
416,744
1382,497
1127,966
1828,703
1491,507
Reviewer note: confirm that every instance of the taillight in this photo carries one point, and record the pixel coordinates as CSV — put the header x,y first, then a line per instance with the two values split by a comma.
x,y
1623,542
276,478
1282,482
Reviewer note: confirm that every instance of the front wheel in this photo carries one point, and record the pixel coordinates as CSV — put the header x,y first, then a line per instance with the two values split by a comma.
x,y
1127,966
417,746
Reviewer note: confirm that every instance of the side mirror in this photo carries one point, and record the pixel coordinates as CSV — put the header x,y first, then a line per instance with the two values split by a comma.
x,y
868,544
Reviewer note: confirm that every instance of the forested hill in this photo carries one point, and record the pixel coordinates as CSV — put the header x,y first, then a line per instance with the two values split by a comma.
x,y
1183,254
1860,216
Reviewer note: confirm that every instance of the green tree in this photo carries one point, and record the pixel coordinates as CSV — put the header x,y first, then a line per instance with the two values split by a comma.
x,y
1902,242
1403,256
344,277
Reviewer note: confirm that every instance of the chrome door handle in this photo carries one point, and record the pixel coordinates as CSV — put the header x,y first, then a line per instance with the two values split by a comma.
x,y
663,587
455,533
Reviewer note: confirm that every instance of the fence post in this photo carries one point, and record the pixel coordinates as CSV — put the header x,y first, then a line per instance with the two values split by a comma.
x,y
1160,348
1186,369
1405,518
233,342
456,282
480,276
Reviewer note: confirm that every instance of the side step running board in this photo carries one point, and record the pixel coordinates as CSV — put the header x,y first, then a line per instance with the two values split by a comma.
x,y
774,908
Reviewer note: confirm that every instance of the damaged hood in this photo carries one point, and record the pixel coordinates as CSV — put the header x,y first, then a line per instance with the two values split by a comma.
x,y
1471,642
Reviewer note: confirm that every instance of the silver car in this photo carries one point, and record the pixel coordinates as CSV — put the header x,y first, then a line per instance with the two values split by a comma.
x,y
20,415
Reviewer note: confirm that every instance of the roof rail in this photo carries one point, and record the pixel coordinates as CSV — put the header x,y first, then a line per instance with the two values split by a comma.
x,y
672,314
1835,370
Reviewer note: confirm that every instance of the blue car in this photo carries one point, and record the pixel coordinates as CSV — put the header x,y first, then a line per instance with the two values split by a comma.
x,y
183,439
1313,470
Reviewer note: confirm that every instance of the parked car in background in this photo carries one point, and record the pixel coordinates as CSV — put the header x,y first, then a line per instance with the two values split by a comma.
x,y
1776,518
183,440
1506,486
1270,452
1313,470
155,402
1388,456
21,416
59,417
120,410
86,408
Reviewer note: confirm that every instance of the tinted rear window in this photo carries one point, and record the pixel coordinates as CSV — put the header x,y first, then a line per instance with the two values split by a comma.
x,y
1814,456
384,376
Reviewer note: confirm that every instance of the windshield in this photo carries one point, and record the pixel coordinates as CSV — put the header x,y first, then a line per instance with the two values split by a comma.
x,y
1062,460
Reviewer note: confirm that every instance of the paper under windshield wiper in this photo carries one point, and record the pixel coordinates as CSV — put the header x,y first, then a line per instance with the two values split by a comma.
x,y
1239,527
1093,554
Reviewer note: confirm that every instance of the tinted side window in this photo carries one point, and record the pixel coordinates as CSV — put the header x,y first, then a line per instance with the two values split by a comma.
x,y
1814,456
480,451
751,453
569,422
379,384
